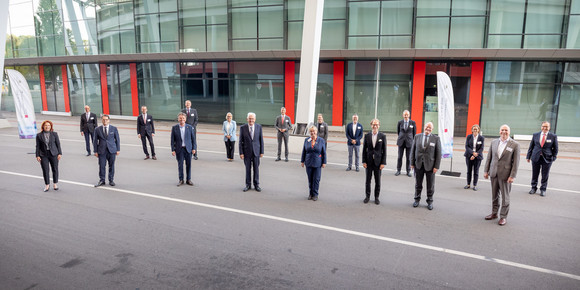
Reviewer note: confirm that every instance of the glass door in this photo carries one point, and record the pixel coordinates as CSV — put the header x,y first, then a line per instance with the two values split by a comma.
x,y
119,89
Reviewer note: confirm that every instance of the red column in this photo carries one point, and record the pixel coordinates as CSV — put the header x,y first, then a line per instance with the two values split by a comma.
x,y
104,90
417,100
475,93
134,89
337,93
65,88
43,88
289,85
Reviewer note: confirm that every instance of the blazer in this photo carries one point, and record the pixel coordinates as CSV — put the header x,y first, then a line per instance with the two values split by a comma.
x,y
405,137
283,124
376,155
145,127
111,142
428,157
322,130
550,150
507,164
356,136
247,145
90,124
189,136
191,117
478,146
53,145
231,132
313,156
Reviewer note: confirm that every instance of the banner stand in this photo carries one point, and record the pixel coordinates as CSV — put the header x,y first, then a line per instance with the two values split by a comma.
x,y
451,172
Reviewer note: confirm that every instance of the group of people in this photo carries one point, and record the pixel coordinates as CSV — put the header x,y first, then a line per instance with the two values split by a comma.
x,y
422,152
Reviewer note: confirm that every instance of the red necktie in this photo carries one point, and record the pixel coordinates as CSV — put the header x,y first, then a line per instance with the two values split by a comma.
x,y
543,140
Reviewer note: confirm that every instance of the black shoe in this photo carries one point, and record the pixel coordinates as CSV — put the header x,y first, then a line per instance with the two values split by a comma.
x,y
310,197
542,192
348,169
258,189
474,188
278,159
466,187
180,183
46,189
430,207
357,170
377,201
246,188
532,191
89,154
146,157
100,183
194,157
111,183
409,174
55,188
154,158
188,182
366,200
416,204
315,198
397,173
286,160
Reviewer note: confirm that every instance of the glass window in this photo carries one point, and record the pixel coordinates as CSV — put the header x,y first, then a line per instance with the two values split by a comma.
x,y
467,32
160,89
334,9
295,35
522,72
244,23
192,12
168,26
80,23
216,11
333,34
296,9
396,17
362,42
32,76
364,18
207,88
542,41
270,21
573,40
193,38
469,7
22,31
506,16
433,7
569,111
92,87
545,16
504,41
432,32
217,38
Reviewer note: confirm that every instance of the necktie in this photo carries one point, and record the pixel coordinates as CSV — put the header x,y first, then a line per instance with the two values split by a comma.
x,y
425,138
406,124
106,134
543,140
252,132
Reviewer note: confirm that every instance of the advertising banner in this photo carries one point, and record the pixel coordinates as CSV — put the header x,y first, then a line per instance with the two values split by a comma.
x,y
22,104
446,114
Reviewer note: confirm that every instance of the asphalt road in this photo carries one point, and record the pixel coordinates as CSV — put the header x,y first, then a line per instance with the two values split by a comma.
x,y
147,233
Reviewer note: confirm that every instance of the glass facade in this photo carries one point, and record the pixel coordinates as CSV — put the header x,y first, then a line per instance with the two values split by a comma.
x,y
33,78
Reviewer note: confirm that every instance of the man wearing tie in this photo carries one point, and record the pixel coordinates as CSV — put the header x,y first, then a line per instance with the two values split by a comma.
x,y
251,147
374,159
192,119
183,146
543,151
425,160
88,125
503,159
107,145
146,131
354,132
322,128
406,131
282,125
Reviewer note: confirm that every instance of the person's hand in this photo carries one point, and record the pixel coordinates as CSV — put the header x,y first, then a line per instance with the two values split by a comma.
x,y
193,151
364,165
96,154
228,136
242,156
486,175
472,157
510,179
58,157
139,136
323,165
434,170
172,153
382,166
82,133
118,152
413,167
528,160
152,134
38,159
261,155
302,164
475,154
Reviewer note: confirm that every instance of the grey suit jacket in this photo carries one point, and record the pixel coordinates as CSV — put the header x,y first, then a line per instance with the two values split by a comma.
x,y
506,165
428,157
283,124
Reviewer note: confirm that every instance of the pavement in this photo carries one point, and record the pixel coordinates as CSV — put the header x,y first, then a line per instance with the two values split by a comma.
x,y
147,233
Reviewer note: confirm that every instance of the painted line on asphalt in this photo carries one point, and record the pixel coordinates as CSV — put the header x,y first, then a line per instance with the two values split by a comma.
x,y
323,227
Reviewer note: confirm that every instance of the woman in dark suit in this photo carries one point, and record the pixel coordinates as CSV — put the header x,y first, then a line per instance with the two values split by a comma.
x,y
314,158
229,129
473,155
48,152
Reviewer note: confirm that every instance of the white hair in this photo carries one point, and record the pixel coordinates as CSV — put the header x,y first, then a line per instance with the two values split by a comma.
x,y
251,114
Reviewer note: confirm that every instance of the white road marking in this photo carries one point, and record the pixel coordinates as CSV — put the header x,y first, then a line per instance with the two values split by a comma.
x,y
319,226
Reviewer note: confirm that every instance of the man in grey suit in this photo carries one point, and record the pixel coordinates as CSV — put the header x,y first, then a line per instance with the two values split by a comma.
x,y
88,125
425,160
192,120
501,165
283,124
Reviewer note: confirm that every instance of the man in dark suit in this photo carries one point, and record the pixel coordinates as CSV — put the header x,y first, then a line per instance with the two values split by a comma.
x,y
192,119
251,147
503,159
406,131
354,132
108,146
88,125
543,151
283,125
146,131
374,158
322,128
425,160
183,146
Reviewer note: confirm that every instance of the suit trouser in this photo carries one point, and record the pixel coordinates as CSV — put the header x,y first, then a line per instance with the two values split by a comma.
x,y
545,167
500,187
354,148
313,179
370,170
282,136
230,148
400,158
419,174
45,161
183,155
108,157
89,135
150,138
252,162
195,137
472,167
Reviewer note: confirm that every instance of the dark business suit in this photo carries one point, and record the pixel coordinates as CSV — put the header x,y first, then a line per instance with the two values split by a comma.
x,y
322,131
313,157
107,147
251,149
425,156
473,165
146,128
500,169
374,156
405,141
48,153
357,135
283,123
542,157
88,128
192,120
183,148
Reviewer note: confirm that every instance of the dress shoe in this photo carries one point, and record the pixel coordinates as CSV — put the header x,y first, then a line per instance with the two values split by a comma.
x,y
277,159
397,173
366,200
348,169
258,189
466,187
491,216
502,221
409,174
55,188
532,191
377,201
474,188
357,170
286,160
194,157
100,183
310,197
246,188
46,189
180,183
111,183
189,183
416,204
315,198
542,192
146,157
430,207
154,158
89,154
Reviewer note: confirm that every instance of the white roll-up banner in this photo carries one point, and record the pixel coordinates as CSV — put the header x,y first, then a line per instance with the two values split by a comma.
x,y
22,104
446,113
